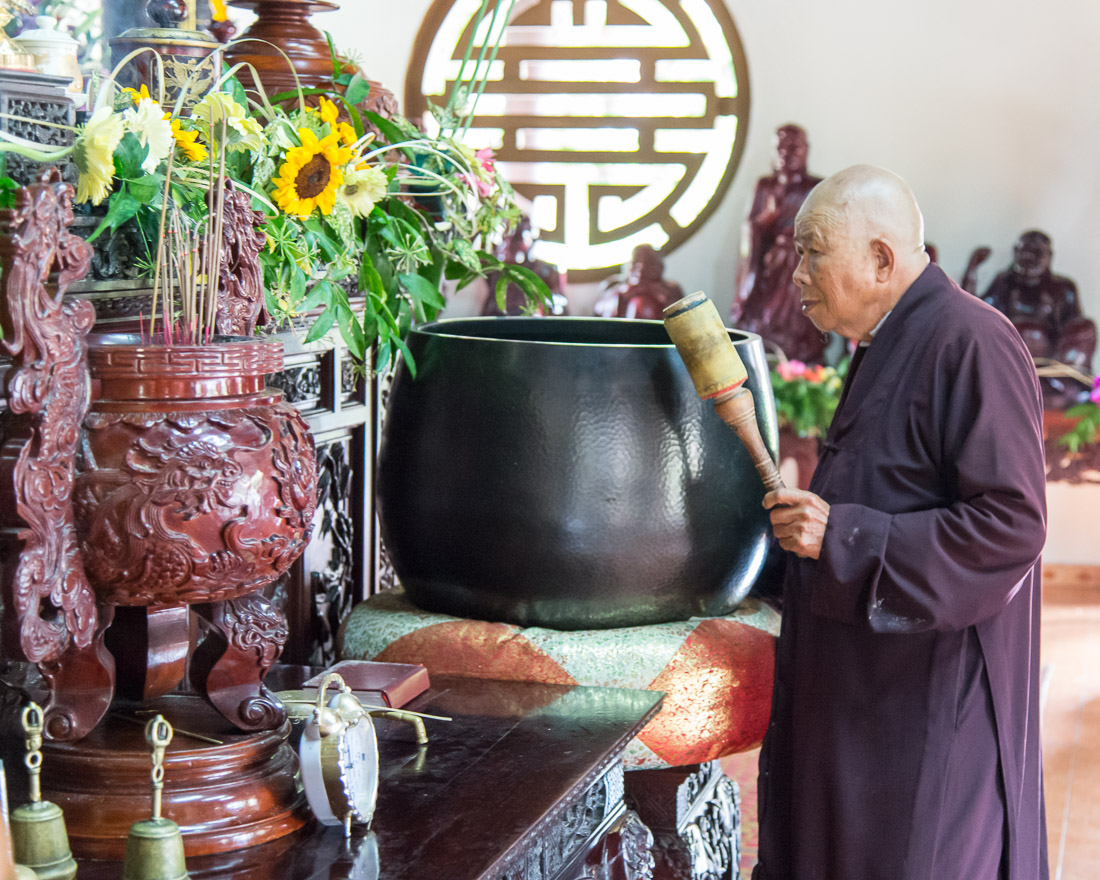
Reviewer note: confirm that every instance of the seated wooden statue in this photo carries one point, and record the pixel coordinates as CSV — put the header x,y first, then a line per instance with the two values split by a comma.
x,y
1045,308
642,292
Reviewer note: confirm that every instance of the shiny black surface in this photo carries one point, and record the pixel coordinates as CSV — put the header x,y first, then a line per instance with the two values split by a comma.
x,y
562,472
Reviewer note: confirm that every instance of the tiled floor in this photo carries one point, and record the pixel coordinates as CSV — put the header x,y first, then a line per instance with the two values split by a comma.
x,y
1071,738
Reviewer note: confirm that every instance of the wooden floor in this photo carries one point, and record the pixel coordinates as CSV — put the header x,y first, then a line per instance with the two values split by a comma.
x,y
1071,725
1071,729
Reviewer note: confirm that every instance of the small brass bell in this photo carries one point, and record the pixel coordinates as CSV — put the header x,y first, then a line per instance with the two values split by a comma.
x,y
154,849
39,839
8,868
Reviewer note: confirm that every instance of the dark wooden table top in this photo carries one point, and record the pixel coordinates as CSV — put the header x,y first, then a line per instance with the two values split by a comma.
x,y
453,809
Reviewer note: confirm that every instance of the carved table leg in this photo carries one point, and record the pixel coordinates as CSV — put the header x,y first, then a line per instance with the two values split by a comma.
x,y
82,683
244,638
695,815
624,854
150,648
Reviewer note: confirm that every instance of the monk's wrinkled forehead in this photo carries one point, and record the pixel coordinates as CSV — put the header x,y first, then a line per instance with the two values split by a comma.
x,y
816,225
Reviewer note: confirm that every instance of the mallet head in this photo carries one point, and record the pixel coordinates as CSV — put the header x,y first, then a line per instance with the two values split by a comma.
x,y
705,346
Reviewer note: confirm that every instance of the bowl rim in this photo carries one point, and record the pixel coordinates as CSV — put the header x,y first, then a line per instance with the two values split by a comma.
x,y
438,328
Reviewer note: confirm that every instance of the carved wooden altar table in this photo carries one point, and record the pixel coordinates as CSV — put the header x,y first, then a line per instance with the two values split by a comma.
x,y
526,783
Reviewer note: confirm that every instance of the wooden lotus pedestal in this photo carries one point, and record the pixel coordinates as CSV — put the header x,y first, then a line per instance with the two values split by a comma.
x,y
141,516
226,796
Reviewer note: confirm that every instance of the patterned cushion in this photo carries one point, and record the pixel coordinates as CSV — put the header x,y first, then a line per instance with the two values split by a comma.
x,y
717,672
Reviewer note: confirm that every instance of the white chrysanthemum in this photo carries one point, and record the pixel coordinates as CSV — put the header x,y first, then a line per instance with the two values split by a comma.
x,y
147,122
94,154
363,187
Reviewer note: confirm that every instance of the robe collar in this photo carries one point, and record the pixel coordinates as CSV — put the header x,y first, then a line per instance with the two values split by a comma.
x,y
872,370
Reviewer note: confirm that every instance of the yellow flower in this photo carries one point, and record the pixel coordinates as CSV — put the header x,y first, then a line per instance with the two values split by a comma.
x,y
363,188
311,175
94,154
329,111
136,96
188,142
347,134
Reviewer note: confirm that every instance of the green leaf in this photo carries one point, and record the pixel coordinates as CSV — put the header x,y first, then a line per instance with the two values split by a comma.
x,y
358,90
129,154
321,293
322,325
370,279
352,332
390,131
297,286
422,290
502,292
145,188
120,209
465,253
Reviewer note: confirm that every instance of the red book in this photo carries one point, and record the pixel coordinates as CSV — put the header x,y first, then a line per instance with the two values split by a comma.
x,y
396,684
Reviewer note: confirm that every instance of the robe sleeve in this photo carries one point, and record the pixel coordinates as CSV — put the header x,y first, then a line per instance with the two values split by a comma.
x,y
951,566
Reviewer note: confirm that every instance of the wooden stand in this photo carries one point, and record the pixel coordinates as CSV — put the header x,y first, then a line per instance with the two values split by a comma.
x,y
224,797
695,816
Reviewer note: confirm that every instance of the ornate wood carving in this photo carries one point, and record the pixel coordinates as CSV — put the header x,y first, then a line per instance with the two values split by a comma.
x,y
567,833
49,608
695,815
36,108
241,281
244,638
170,513
298,383
333,587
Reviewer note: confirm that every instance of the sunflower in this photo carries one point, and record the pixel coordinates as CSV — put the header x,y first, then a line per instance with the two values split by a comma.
x,y
188,142
94,154
311,175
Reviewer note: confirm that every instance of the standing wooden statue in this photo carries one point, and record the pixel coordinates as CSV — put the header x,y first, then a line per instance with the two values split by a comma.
x,y
768,301
49,615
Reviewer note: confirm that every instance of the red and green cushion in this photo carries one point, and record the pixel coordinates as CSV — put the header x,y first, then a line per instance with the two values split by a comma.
x,y
717,672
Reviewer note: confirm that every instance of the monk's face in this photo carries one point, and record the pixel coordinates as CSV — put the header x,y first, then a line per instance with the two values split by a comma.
x,y
836,274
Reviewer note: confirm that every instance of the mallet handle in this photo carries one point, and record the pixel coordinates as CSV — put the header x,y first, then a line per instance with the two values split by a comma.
x,y
739,412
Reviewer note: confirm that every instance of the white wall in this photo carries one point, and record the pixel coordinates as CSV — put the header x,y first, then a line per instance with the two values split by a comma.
x,y
989,109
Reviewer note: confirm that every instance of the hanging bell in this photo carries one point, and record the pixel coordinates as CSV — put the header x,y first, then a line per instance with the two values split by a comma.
x,y
39,839
8,868
154,849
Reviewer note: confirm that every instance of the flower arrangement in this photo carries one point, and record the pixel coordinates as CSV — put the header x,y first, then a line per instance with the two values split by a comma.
x,y
391,213
806,396
1087,429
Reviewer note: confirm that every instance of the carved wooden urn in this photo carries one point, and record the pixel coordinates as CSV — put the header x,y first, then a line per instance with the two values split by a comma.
x,y
197,483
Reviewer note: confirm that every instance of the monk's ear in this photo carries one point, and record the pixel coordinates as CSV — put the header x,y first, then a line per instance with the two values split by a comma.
x,y
882,253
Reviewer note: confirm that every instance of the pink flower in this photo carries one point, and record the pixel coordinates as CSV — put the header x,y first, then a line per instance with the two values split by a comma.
x,y
789,370
485,157
482,187
1095,394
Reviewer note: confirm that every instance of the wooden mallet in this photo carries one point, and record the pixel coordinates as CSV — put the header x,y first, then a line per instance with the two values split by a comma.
x,y
719,375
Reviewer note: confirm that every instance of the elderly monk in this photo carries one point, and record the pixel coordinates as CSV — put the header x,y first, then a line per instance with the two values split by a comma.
x,y
904,738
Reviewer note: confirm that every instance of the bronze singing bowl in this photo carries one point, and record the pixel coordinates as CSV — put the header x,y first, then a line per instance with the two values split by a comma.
x,y
195,483
563,472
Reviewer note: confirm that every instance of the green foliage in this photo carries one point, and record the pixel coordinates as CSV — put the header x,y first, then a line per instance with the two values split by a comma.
x,y
1087,429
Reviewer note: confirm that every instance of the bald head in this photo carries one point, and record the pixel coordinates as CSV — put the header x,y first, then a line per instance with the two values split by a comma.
x,y
867,219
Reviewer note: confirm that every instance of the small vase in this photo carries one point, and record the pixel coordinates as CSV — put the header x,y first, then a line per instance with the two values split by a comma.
x,y
197,483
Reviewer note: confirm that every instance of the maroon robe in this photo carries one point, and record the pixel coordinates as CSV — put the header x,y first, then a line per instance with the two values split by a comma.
x,y
904,740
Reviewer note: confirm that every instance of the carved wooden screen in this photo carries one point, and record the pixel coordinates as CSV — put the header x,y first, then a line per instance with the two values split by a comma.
x,y
622,121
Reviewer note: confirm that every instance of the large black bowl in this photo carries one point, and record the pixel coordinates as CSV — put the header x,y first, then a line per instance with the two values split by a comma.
x,y
562,472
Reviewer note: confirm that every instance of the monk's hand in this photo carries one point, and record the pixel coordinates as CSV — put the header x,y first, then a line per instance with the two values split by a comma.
x,y
798,520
